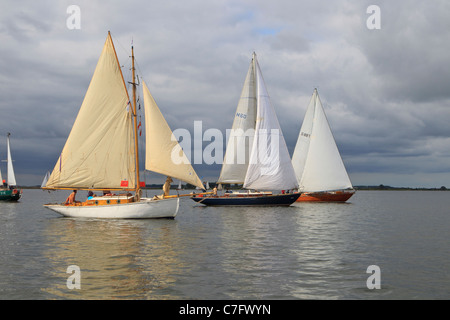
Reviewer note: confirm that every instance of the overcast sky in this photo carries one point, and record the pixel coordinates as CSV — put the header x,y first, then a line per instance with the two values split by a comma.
x,y
386,92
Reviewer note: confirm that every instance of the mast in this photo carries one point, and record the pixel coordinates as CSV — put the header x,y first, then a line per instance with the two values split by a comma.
x,y
138,184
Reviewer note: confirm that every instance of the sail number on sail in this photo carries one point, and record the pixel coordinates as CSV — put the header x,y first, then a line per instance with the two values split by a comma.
x,y
241,115
307,135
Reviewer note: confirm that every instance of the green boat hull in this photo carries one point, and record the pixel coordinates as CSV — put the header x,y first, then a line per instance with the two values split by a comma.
x,y
10,195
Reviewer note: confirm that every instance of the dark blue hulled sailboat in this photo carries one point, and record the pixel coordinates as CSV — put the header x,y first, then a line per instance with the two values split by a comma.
x,y
256,155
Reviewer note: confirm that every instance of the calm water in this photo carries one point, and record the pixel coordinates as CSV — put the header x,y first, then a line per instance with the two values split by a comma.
x,y
309,251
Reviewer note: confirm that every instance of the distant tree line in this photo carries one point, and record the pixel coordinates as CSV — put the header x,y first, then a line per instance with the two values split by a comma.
x,y
383,187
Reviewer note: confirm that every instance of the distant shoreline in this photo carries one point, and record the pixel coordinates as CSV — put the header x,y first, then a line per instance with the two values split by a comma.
x,y
383,187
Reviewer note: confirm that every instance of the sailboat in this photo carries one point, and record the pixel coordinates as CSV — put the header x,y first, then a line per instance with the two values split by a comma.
x,y
316,159
8,190
101,152
44,181
256,154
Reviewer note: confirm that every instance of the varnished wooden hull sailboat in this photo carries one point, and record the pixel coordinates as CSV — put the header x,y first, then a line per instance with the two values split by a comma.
x,y
101,151
326,196
317,162
8,190
257,139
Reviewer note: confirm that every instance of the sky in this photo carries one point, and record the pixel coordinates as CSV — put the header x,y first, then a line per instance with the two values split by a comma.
x,y
383,76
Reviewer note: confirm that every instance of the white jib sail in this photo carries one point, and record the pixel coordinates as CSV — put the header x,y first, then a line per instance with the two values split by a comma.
x,y
11,175
316,159
270,165
44,181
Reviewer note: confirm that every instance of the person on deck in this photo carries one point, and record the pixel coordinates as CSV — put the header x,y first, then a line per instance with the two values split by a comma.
x,y
71,198
166,187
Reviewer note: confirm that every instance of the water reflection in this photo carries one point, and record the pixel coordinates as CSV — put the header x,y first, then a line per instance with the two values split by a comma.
x,y
325,244
254,243
119,259
315,251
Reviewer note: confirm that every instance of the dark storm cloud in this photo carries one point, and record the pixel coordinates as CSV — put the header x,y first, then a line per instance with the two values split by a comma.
x,y
385,91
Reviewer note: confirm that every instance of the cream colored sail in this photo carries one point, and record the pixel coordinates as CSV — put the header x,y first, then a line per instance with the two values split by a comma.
x,y
237,154
316,159
163,153
99,152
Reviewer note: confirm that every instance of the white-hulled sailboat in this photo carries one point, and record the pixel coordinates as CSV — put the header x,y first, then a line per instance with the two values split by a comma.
x,y
101,152
317,162
256,154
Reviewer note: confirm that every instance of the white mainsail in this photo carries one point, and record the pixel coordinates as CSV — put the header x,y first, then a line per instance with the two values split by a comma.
x,y
11,175
237,154
270,166
317,162
99,152
256,153
164,155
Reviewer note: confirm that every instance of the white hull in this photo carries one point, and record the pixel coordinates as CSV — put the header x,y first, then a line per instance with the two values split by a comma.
x,y
145,209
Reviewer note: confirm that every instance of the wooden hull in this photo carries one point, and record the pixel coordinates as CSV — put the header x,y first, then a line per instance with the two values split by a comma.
x,y
335,196
10,195
145,209
249,200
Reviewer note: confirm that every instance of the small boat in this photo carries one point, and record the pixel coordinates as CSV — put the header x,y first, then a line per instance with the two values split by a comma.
x,y
101,152
8,190
256,154
318,165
